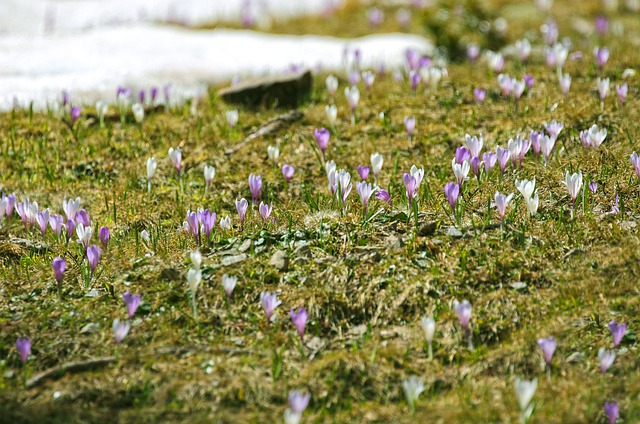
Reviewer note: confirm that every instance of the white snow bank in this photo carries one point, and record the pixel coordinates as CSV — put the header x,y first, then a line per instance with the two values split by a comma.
x,y
92,64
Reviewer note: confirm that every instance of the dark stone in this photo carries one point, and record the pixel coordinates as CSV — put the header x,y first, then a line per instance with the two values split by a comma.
x,y
284,91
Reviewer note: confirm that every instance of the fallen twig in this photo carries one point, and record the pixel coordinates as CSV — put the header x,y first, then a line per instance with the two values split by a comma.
x,y
270,127
78,366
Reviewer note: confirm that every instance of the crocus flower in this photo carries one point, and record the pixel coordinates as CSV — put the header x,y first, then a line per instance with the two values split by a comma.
x,y
255,186
194,277
476,163
354,77
411,187
524,393
365,191
70,226
120,330
84,234
93,256
132,301
622,91
410,125
138,112
70,207
152,165
375,16
613,411
343,179
209,174
176,158
412,387
75,114
593,187
104,235
10,203
414,80
553,128
332,114
503,158
606,358
601,23
332,84
602,56
474,144
377,160
524,49
479,94
506,84
526,187
518,89
565,83
82,217
287,172
353,97
56,222
532,203
368,77
593,137
548,347
298,401
495,61
299,320
23,345
383,195
42,218
462,154
603,88
192,224
546,146
429,328
489,159
265,210
269,303
635,161
196,259
500,202
59,265
617,332
573,183
463,310
322,136
460,170
363,172
232,118
473,52
228,284
225,223
273,153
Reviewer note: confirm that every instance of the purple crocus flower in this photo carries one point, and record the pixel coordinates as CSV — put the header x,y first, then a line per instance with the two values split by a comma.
x,y
298,401
287,172
479,94
141,96
534,140
528,79
503,158
414,79
473,51
265,210
132,301
154,94
299,320
553,128
104,235
463,310
383,194
241,206
255,186
75,114
354,77
375,16
548,347
593,187
613,411
10,203
622,91
93,255
363,171
500,202
462,154
192,221
176,158
65,97
208,221
489,159
452,191
635,161
82,217
120,330
617,332
601,24
365,191
602,56
411,186
71,226
269,303
59,265
413,58
475,166
23,345
56,222
42,218
410,125
322,136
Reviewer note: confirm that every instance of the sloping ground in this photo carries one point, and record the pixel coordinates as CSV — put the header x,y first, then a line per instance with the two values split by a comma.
x,y
365,285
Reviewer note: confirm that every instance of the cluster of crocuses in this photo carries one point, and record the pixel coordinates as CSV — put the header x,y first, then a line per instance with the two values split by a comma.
x,y
202,222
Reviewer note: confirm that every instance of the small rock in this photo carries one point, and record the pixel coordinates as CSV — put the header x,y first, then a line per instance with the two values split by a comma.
x,y
628,225
9,374
394,242
90,328
244,246
280,260
284,91
427,229
92,293
454,232
315,343
518,285
576,357
230,260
